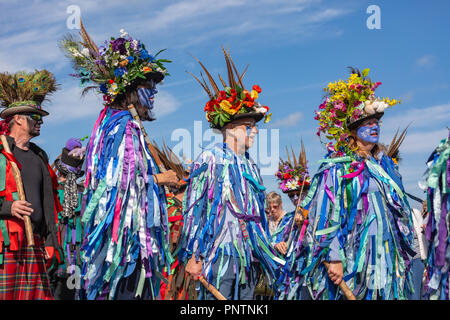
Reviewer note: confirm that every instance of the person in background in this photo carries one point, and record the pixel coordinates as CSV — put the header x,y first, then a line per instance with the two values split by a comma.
x,y
436,184
68,167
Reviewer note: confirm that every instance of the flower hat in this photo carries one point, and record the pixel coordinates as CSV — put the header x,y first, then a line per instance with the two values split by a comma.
x,y
234,101
347,104
293,174
25,92
114,66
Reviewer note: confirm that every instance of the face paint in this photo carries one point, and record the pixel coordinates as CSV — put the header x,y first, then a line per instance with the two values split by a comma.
x,y
365,133
146,98
294,198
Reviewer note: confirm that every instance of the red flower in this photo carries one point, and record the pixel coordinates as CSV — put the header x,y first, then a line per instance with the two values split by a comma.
x,y
257,88
266,107
286,176
209,107
111,81
222,95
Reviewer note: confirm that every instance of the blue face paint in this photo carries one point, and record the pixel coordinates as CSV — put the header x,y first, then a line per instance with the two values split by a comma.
x,y
364,133
146,98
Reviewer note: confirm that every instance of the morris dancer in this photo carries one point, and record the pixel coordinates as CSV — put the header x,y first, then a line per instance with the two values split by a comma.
x,y
23,270
359,217
68,168
293,179
225,236
124,210
178,286
437,179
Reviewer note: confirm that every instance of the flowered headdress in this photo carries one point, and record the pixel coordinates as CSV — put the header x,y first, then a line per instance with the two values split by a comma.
x,y
25,92
114,66
347,104
234,101
293,174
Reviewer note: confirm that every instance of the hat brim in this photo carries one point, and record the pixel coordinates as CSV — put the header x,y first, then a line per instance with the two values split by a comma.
x,y
21,109
358,122
296,190
255,115
155,76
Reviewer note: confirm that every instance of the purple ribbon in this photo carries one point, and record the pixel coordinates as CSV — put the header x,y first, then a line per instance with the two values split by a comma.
x,y
245,217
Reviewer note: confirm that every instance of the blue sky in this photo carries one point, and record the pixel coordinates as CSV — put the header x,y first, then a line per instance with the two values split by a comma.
x,y
294,48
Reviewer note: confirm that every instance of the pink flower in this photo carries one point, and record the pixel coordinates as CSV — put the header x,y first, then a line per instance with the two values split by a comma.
x,y
376,85
356,114
322,106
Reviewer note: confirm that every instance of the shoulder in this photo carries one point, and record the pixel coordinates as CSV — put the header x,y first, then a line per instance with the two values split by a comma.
x,y
38,151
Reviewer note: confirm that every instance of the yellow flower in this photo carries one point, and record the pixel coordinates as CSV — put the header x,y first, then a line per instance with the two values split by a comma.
x,y
254,94
123,63
226,106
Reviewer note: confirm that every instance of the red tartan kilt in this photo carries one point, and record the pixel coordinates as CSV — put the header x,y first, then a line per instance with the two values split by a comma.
x,y
23,275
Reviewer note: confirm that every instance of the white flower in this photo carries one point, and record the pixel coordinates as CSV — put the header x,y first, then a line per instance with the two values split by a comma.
x,y
85,52
159,70
123,34
379,106
261,110
292,184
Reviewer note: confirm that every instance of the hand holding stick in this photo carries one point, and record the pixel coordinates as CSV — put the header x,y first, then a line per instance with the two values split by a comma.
x,y
21,194
296,212
343,286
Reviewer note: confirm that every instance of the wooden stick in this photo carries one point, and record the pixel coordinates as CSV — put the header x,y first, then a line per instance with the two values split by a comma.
x,y
21,193
211,289
296,211
343,286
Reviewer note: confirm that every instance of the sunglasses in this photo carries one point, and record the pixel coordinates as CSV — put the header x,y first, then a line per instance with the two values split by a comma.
x,y
34,116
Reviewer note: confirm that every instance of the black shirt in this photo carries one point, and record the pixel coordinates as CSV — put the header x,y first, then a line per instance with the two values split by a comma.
x,y
31,173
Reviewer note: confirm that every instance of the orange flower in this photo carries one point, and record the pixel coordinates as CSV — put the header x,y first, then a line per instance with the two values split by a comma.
x,y
146,69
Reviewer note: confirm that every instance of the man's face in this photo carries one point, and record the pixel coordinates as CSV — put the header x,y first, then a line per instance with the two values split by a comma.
x,y
33,124
146,94
244,131
293,196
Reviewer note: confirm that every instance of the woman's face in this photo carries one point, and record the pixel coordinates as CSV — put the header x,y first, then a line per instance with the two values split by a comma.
x,y
275,210
368,131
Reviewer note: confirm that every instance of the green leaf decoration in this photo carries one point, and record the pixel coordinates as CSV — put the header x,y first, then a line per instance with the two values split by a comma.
x,y
365,72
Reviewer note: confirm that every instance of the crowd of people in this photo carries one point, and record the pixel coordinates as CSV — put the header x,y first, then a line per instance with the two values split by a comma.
x,y
121,218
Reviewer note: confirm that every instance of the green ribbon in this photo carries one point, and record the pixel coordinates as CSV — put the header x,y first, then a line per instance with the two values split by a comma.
x,y
94,201
440,165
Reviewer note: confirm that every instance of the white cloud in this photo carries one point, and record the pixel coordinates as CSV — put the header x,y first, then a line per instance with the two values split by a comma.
x,y
165,104
427,60
423,142
288,121
68,105
418,117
